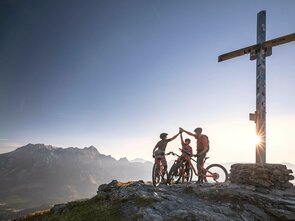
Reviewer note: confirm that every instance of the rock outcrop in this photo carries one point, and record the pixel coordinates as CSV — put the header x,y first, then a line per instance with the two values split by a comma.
x,y
143,202
202,202
262,175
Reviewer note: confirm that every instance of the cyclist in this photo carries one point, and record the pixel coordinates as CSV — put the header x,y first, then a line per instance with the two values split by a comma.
x,y
160,148
187,152
202,148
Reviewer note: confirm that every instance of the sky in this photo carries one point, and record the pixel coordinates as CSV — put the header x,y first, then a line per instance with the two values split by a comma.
x,y
116,74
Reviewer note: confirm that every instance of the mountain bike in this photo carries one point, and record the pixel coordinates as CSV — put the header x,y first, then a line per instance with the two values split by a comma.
x,y
159,175
182,171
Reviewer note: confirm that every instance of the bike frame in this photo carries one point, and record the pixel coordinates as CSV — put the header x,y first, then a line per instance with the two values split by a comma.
x,y
158,160
189,159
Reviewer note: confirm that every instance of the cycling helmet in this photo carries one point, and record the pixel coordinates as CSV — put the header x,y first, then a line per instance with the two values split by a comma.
x,y
163,135
187,140
198,129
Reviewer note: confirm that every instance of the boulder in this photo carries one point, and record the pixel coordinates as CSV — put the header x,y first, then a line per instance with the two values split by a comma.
x,y
262,175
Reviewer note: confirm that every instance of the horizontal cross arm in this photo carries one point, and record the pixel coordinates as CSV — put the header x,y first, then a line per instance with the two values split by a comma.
x,y
278,41
237,53
253,48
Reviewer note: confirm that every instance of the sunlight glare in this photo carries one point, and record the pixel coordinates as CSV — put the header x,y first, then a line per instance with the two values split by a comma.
x,y
257,140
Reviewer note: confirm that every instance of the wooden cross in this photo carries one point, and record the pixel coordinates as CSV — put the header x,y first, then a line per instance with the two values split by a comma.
x,y
259,52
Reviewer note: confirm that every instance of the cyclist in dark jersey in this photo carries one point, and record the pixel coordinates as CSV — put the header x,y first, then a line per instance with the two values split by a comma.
x,y
160,148
202,148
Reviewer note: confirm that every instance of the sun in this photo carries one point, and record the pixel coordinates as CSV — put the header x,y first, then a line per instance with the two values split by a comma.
x,y
257,139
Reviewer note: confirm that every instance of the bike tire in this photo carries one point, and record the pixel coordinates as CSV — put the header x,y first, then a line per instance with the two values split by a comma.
x,y
192,173
155,174
219,173
189,177
173,176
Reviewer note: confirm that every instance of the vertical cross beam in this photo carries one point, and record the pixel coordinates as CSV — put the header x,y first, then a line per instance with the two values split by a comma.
x,y
261,89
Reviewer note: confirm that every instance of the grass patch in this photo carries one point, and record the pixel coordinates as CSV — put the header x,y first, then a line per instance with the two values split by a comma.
x,y
99,208
89,210
141,201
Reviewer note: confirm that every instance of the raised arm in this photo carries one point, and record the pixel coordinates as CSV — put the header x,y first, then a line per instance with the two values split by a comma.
x,y
189,133
181,139
172,138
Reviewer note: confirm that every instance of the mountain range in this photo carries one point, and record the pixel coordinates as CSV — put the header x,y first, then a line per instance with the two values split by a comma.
x,y
38,174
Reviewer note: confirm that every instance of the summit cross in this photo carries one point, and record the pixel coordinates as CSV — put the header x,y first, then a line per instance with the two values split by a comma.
x,y
259,52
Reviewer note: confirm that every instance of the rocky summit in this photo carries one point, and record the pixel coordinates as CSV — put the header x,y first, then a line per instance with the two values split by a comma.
x,y
144,202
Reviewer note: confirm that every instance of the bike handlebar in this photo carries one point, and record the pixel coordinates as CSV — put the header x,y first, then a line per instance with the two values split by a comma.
x,y
182,150
189,154
172,153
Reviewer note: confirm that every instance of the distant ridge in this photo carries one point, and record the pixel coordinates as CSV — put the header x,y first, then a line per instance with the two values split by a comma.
x,y
140,160
38,174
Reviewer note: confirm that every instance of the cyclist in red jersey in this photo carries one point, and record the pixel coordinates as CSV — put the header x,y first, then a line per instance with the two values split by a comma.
x,y
202,148
187,151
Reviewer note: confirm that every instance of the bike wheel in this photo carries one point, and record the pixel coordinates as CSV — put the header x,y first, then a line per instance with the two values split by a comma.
x,y
165,177
173,175
187,176
156,174
215,173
